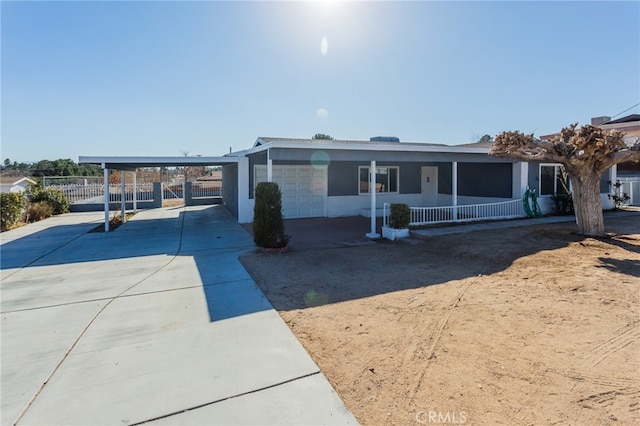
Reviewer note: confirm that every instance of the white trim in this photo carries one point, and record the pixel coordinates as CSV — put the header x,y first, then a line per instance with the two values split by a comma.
x,y
555,178
454,188
105,184
123,201
245,204
114,161
363,146
372,184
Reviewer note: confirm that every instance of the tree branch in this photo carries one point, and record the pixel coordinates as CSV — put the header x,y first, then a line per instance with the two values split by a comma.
x,y
626,155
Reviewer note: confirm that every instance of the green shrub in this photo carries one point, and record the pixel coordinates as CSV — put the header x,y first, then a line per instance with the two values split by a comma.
x,y
38,211
54,197
400,216
268,223
11,205
563,203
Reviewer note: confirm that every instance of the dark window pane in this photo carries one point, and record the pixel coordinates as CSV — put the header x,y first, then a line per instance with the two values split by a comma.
x,y
382,184
547,178
393,179
364,180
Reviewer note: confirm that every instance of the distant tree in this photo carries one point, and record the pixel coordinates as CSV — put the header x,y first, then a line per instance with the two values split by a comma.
x,y
322,136
586,154
7,162
486,139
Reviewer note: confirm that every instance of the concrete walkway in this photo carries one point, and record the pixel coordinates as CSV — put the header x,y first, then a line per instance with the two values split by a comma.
x,y
156,322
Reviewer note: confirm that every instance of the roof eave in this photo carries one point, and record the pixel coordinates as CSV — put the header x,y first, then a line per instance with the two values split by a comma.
x,y
367,146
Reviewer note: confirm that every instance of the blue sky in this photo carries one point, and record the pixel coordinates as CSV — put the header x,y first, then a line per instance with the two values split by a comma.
x,y
164,78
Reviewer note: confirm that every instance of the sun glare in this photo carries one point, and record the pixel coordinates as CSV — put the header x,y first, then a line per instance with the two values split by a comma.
x,y
324,46
327,7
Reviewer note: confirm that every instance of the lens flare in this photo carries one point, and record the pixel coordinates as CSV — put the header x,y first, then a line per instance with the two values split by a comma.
x,y
324,46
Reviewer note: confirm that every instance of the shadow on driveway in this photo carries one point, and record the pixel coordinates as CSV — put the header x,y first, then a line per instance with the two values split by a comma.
x,y
153,241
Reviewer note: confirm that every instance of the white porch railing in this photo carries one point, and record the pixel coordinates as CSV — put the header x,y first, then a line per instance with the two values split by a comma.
x,y
94,193
464,213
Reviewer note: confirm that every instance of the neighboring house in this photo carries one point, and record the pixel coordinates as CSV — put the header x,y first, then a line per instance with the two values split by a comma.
x,y
329,178
627,173
21,185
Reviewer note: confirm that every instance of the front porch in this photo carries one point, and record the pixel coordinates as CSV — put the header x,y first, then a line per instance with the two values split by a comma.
x,y
462,213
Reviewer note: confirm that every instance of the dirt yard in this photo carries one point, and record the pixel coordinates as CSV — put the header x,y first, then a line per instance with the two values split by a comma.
x,y
527,326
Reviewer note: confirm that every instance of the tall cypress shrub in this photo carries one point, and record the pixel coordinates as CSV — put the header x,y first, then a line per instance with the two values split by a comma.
x,y
268,223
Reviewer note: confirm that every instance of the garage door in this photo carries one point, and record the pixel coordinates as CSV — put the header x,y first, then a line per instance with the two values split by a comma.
x,y
304,189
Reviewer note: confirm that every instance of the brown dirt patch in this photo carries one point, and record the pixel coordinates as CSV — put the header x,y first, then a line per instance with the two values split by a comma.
x,y
531,325
114,223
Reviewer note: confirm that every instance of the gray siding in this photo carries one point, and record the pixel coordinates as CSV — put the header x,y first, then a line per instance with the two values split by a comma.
x,y
445,172
259,158
343,176
230,188
485,179
605,183
389,157
534,178
477,179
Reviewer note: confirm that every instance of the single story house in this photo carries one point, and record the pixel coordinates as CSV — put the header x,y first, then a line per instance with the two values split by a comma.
x,y
330,178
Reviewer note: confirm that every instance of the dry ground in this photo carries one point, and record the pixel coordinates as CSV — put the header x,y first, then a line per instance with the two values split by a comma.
x,y
531,325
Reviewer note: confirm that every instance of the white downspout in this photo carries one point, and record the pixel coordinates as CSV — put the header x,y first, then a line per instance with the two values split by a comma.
x,y
135,191
269,167
372,191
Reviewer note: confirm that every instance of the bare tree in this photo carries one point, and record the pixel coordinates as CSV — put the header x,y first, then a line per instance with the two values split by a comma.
x,y
586,154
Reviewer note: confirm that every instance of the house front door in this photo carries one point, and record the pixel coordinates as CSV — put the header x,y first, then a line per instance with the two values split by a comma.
x,y
429,186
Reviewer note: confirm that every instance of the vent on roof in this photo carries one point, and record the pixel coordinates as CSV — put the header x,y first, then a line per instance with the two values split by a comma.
x,y
384,139
596,121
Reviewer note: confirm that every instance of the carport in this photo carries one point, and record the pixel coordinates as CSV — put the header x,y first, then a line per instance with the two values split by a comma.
x,y
131,164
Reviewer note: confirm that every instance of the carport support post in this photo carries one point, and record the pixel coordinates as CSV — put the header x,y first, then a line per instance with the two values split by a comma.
x,y
123,201
372,190
135,191
454,190
269,167
106,197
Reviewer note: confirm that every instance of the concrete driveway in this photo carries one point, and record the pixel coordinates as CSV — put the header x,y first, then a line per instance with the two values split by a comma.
x,y
155,322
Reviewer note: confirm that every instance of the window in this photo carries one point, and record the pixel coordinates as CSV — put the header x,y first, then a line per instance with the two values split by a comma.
x,y
553,180
386,180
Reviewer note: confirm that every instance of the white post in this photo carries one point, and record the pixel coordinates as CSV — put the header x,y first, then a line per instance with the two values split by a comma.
x,y
123,201
245,205
454,189
106,197
135,191
269,167
372,191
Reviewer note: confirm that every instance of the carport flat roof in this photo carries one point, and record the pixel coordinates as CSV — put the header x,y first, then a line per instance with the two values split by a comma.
x,y
132,163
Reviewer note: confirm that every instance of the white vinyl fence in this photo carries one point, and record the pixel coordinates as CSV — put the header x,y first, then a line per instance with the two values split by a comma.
x,y
94,193
464,213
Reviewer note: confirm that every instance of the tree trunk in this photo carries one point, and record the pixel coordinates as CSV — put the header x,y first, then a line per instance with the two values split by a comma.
x,y
587,205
